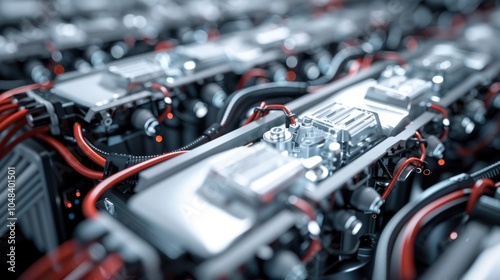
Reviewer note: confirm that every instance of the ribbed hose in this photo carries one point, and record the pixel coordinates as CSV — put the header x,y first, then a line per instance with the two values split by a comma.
x,y
196,143
116,162
106,154
490,172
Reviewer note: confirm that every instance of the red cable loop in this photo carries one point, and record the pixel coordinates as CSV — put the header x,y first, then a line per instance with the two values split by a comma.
x,y
70,158
87,150
88,205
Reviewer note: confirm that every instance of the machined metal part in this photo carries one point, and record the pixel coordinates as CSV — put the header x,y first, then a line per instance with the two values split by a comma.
x,y
279,137
208,212
249,132
253,175
335,181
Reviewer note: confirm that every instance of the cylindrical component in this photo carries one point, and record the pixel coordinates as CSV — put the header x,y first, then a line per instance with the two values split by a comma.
x,y
34,108
21,96
285,265
144,119
23,101
462,128
97,57
38,72
38,119
345,221
82,66
406,172
279,137
434,147
186,35
214,95
366,199
197,107
310,70
310,146
277,73
332,153
343,137
119,50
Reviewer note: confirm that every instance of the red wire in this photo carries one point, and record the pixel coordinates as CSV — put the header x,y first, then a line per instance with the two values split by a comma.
x,y
250,74
165,92
8,106
53,262
315,245
87,150
17,127
255,115
367,61
284,108
108,268
6,114
26,88
355,67
14,118
70,158
259,113
304,207
5,101
423,152
394,179
406,163
443,112
21,138
314,248
88,205
477,190
411,43
250,119
439,109
413,227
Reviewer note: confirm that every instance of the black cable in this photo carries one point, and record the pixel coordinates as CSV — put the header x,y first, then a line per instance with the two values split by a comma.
x,y
239,101
339,60
455,205
393,228
211,133
195,143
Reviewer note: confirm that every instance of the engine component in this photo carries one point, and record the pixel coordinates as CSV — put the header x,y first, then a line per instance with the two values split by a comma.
x,y
251,140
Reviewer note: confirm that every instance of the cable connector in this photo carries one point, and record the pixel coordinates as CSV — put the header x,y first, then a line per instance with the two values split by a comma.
x,y
214,131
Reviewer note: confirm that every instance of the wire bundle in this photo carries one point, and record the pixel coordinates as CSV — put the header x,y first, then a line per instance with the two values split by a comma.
x,y
409,219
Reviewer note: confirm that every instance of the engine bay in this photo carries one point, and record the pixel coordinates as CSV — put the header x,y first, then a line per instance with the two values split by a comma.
x,y
236,140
